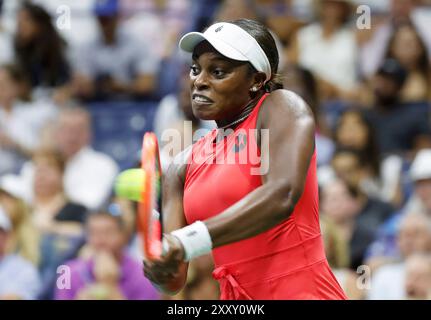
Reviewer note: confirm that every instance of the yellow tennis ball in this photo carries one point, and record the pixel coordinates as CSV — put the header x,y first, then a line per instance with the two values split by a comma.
x,y
130,183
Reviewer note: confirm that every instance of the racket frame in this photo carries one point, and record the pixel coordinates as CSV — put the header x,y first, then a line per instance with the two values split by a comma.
x,y
150,220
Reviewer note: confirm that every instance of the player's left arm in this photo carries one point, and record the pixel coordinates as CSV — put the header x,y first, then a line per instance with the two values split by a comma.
x,y
291,145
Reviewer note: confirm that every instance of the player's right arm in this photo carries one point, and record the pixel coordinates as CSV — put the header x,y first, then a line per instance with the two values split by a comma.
x,y
170,272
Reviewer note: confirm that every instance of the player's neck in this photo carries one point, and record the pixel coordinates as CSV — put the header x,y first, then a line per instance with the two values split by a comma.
x,y
236,120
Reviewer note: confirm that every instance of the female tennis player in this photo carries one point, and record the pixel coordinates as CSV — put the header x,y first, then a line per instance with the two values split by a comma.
x,y
263,230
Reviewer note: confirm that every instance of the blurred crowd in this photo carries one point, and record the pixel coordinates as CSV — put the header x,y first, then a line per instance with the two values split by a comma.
x,y
64,234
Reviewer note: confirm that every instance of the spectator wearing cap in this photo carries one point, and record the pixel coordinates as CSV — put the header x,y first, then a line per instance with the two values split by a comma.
x,y
384,247
89,174
115,64
23,237
399,128
106,271
18,277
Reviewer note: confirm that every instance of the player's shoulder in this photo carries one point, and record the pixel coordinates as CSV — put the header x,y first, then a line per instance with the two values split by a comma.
x,y
285,102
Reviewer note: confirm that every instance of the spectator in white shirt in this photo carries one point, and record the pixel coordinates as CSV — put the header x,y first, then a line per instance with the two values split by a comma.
x,y
89,174
18,278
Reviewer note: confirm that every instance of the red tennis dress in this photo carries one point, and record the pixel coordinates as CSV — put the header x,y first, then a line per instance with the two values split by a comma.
x,y
285,262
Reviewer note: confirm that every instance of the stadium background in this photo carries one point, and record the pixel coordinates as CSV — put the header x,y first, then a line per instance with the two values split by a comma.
x,y
81,81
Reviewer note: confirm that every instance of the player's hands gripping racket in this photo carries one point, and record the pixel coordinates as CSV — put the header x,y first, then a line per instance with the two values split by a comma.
x,y
144,185
161,270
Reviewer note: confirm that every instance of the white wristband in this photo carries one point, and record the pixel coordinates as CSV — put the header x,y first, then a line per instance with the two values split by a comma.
x,y
195,239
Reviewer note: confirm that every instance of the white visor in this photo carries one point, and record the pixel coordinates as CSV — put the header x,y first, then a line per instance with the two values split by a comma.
x,y
232,42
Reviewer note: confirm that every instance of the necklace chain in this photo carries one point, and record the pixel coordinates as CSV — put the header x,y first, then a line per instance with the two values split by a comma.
x,y
237,120
240,119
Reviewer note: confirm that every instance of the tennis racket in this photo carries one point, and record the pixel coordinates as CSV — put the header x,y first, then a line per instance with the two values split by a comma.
x,y
150,222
